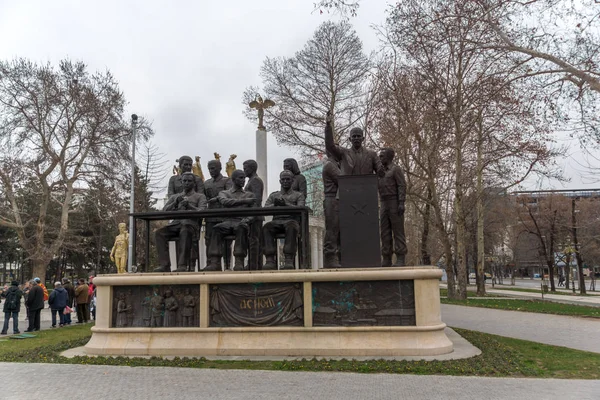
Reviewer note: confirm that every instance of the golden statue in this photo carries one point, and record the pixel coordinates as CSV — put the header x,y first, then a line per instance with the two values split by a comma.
x,y
118,254
230,165
260,106
197,168
217,156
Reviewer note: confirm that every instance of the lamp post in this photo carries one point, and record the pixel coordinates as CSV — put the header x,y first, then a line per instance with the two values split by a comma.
x,y
134,119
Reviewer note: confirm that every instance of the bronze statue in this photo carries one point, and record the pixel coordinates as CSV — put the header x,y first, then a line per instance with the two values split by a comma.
x,y
299,183
175,185
282,224
189,304
331,242
185,230
356,160
255,186
197,169
235,197
175,169
171,307
217,156
119,251
392,194
260,106
212,188
230,165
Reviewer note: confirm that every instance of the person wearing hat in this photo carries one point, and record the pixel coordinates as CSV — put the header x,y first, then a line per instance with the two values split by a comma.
x,y
39,282
12,306
35,302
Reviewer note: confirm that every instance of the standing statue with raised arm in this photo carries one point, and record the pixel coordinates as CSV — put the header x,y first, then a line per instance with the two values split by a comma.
x,y
185,230
356,160
235,197
286,224
255,186
392,194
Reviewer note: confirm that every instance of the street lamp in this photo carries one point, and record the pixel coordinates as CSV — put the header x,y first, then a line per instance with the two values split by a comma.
x,y
134,119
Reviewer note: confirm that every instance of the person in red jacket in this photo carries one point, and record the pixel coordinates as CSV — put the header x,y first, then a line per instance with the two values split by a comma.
x,y
91,298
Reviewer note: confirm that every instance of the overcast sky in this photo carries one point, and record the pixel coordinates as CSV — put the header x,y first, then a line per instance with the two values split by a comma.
x,y
182,64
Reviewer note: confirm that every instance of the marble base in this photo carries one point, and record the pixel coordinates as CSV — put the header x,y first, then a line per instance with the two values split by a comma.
x,y
425,338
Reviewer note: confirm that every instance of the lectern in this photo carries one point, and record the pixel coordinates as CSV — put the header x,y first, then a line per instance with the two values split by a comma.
x,y
359,221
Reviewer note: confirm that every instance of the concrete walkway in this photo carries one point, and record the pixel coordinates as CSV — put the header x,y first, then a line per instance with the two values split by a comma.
x,y
32,381
559,330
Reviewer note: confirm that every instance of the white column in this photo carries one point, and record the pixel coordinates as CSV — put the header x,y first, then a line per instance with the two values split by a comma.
x,y
261,158
314,247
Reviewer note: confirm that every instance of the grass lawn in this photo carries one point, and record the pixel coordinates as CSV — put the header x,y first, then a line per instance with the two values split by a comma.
x,y
545,307
500,357
539,291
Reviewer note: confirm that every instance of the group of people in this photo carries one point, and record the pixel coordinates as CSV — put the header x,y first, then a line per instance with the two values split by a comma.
x,y
61,301
189,192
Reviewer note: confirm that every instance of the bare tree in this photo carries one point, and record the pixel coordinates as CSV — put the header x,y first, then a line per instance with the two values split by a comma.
x,y
329,73
60,127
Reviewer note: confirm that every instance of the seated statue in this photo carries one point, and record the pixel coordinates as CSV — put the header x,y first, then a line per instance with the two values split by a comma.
x,y
234,197
184,230
282,223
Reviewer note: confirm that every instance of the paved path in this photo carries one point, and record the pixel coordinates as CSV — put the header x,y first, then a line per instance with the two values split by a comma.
x,y
573,332
34,381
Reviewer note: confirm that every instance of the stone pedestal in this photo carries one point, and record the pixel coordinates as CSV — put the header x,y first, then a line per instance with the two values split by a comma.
x,y
350,312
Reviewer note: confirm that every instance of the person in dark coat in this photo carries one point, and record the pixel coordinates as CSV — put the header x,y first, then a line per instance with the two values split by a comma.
x,y
81,295
71,292
35,302
12,306
57,302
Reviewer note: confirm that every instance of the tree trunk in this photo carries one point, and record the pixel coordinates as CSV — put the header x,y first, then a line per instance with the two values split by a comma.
x,y
480,237
39,269
567,270
425,256
577,253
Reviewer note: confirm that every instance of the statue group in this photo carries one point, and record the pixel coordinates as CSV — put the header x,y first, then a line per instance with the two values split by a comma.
x,y
188,191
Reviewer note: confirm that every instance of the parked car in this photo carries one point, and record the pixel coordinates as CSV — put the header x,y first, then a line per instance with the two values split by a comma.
x,y
537,276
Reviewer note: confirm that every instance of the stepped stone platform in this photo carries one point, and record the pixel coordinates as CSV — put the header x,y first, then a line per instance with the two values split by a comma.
x,y
374,312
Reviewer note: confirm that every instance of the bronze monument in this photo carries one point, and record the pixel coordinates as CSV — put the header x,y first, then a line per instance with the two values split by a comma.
x,y
212,187
185,230
331,242
282,224
392,194
299,183
255,186
235,197
175,185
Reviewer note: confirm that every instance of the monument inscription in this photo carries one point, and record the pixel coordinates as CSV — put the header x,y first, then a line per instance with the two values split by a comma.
x,y
257,304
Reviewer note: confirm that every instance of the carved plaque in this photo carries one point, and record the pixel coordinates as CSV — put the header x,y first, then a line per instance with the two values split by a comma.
x,y
364,303
256,304
156,306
